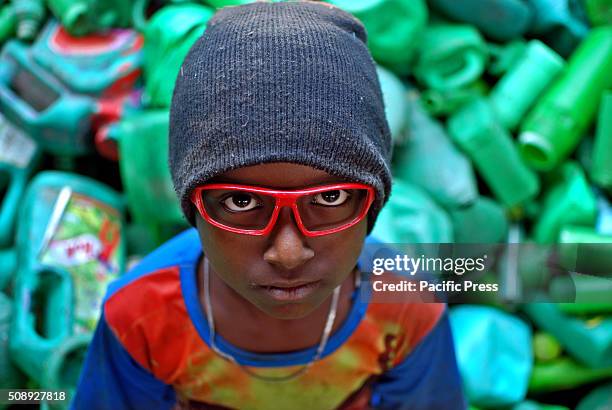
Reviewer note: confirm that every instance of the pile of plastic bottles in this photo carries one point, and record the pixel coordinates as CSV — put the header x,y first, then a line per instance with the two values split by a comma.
x,y
501,116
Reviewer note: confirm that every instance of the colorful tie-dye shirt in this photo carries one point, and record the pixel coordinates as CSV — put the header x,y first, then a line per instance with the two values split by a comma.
x,y
151,351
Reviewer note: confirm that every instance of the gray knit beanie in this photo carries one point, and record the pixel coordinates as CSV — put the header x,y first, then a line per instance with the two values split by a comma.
x,y
280,82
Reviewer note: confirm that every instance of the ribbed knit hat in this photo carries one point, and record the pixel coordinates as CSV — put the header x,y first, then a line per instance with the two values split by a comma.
x,y
280,82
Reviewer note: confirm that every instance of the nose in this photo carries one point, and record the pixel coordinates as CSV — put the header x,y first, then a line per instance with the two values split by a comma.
x,y
287,248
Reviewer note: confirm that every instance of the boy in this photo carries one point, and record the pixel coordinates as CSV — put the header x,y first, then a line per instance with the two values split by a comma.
x,y
280,155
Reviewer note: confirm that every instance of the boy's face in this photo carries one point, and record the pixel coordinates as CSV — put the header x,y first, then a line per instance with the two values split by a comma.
x,y
252,265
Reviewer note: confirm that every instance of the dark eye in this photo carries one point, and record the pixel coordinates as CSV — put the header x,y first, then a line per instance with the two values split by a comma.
x,y
239,202
331,198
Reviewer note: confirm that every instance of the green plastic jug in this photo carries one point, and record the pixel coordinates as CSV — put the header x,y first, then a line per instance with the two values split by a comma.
x,y
143,147
520,87
394,28
411,216
477,132
70,246
30,14
418,160
450,56
561,116
82,17
501,20
588,341
564,373
601,162
8,22
560,23
19,156
394,97
495,368
598,399
169,35
599,12
62,88
568,201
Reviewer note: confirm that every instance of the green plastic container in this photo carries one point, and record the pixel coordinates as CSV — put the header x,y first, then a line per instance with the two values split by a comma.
x,y
559,120
30,15
394,28
169,35
70,246
396,106
82,17
562,374
143,147
62,89
588,341
8,22
599,399
418,160
451,56
495,368
19,156
599,11
601,161
501,20
412,217
568,201
477,132
519,88
443,103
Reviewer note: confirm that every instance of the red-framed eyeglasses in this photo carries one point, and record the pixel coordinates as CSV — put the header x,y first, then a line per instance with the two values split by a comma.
x,y
252,210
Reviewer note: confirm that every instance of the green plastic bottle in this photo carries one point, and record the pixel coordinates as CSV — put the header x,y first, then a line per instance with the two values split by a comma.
x,y
588,341
143,148
412,217
515,93
19,156
598,399
477,132
418,160
559,120
450,56
501,20
82,17
562,374
8,22
70,246
568,201
601,162
169,35
599,11
30,15
394,96
443,103
394,28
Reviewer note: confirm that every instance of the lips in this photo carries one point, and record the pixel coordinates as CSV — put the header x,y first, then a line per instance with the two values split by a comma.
x,y
289,291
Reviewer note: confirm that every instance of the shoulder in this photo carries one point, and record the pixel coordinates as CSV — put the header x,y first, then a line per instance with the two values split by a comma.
x,y
146,307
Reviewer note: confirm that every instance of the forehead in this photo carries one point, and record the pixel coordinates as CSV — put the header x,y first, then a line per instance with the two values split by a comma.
x,y
278,175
